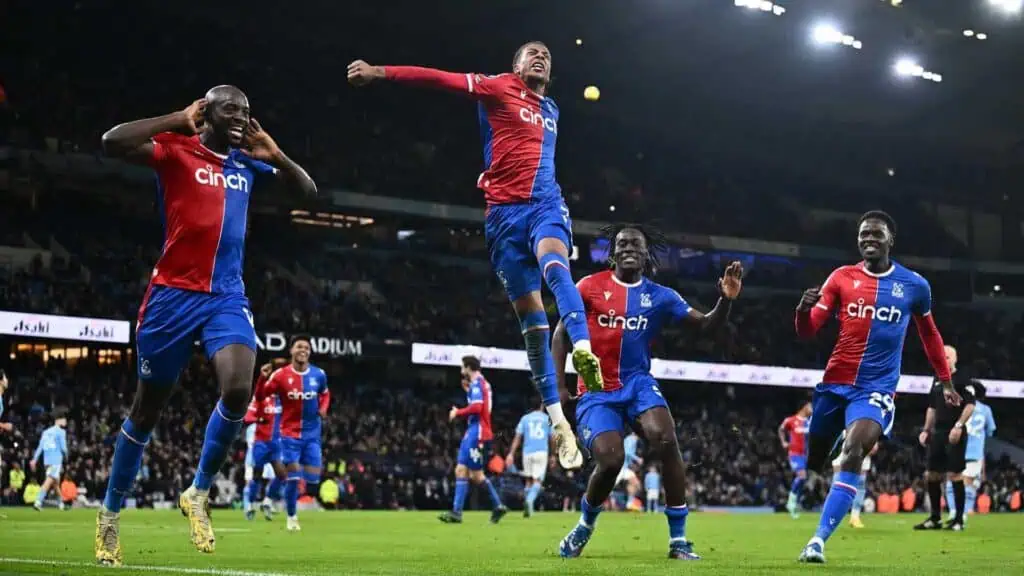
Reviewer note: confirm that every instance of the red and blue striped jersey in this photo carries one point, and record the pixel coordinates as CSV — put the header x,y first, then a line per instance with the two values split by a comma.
x,y
303,396
478,409
204,200
518,127
796,426
266,414
623,320
874,311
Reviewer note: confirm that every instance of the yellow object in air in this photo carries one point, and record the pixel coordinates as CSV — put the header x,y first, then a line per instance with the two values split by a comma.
x,y
591,93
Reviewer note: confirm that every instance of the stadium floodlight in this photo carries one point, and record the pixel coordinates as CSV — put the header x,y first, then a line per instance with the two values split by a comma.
x,y
981,36
969,33
829,34
907,68
976,35
761,5
1007,6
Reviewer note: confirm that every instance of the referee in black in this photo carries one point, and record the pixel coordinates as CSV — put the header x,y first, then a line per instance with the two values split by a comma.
x,y
943,436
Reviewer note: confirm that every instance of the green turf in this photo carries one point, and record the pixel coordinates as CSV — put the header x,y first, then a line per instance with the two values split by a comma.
x,y
414,543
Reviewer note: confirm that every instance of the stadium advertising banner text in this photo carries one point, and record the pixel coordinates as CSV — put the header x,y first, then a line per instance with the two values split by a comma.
x,y
74,328
329,346
506,359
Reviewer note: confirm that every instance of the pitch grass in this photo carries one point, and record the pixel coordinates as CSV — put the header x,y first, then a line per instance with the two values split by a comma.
x,y
415,543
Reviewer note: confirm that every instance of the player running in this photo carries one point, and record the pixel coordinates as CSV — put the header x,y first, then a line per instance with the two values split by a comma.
x,y
652,488
476,442
301,388
533,433
625,310
528,229
208,158
263,458
980,427
53,447
875,300
793,435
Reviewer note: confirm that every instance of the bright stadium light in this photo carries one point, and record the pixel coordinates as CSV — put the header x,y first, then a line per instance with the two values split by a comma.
x,y
907,68
975,35
761,5
829,34
1007,6
969,33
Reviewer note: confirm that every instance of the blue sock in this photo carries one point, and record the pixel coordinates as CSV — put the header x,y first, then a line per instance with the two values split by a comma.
x,y
970,495
567,297
274,490
797,486
495,497
125,467
531,494
291,496
862,490
951,499
252,493
837,504
589,516
537,335
461,489
676,522
221,431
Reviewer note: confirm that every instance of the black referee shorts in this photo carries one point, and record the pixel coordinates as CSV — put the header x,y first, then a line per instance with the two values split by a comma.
x,y
946,457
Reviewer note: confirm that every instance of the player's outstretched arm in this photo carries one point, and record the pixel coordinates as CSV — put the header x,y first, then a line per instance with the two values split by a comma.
x,y
360,74
263,148
729,287
510,459
934,349
133,140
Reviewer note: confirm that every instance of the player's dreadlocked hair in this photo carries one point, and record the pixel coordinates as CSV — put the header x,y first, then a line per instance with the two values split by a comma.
x,y
656,242
519,51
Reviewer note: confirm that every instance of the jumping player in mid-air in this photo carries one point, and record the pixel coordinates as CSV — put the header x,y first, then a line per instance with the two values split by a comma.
x,y
528,228
301,389
263,457
873,301
793,435
208,158
625,310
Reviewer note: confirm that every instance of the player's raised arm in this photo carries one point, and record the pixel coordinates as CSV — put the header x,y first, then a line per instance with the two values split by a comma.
x,y
133,141
729,287
815,307
265,383
263,148
473,85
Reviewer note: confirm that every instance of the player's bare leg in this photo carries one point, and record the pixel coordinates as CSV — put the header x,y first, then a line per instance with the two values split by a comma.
x,y
536,333
609,456
660,432
861,437
272,492
234,365
44,491
150,399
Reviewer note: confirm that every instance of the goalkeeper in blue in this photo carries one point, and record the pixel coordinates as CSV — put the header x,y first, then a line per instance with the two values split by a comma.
x,y
53,447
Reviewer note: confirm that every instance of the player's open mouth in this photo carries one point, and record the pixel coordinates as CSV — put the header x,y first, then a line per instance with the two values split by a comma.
x,y
871,247
630,259
236,132
538,67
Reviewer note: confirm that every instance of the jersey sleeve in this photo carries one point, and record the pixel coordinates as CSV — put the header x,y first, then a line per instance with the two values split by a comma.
x,y
990,423
922,298
64,443
476,394
583,287
787,425
325,394
809,322
262,168
163,148
476,86
677,306
269,387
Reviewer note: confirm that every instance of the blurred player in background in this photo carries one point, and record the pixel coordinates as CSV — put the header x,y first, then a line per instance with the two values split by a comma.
x,y
528,229
263,457
625,311
53,447
652,488
301,389
631,453
208,158
476,443
533,433
862,483
874,301
943,438
793,436
5,427
980,427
